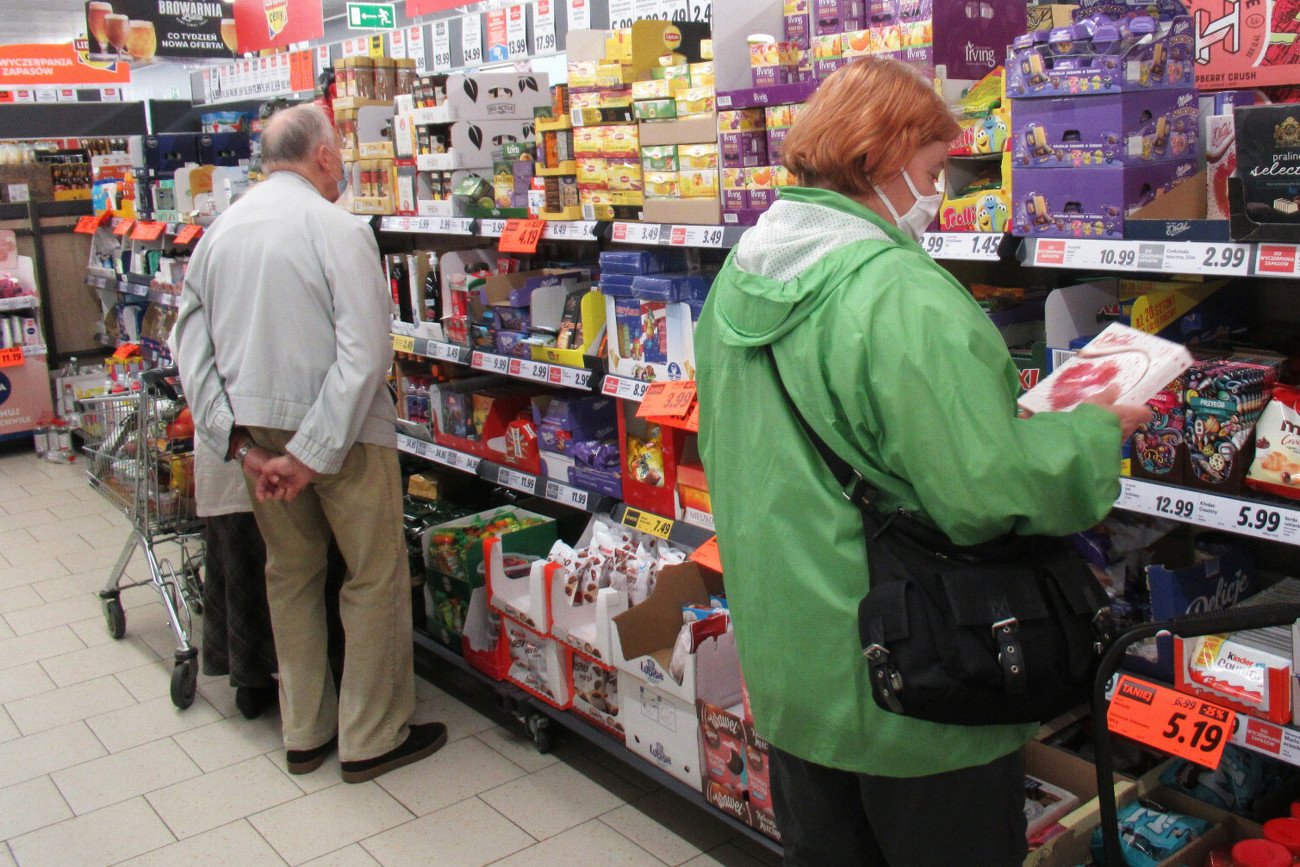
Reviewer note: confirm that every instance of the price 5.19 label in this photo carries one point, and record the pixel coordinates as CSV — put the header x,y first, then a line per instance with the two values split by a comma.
x,y
1175,723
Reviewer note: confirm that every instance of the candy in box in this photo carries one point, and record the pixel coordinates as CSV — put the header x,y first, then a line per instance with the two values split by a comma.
x,y
1054,205
978,194
1128,128
563,420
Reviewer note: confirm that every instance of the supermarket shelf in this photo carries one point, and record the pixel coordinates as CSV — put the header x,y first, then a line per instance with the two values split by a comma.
x,y
544,372
450,458
166,299
521,701
448,162
98,282
22,302
679,533
1263,520
1177,257
429,225
128,286
434,115
959,246
668,235
259,97
437,349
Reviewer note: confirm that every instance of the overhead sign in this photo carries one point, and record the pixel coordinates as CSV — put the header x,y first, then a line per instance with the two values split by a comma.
x,y
416,8
371,16
141,30
263,24
57,64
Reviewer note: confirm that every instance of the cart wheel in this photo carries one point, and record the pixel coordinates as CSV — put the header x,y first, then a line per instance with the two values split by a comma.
x,y
185,680
115,617
539,729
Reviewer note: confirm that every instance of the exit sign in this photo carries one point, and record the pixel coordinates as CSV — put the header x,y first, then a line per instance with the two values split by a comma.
x,y
372,16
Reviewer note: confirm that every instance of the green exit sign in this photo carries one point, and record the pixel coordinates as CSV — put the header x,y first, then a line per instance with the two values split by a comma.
x,y
372,16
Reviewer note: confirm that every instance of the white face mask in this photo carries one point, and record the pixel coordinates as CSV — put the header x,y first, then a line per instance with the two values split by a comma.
x,y
919,216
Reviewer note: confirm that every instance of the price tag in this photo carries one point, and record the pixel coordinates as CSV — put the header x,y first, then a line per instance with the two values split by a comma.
x,y
621,14
188,234
560,230
962,245
645,10
415,47
698,518
1262,520
404,343
637,233
11,357
1274,260
446,351
491,228
521,236
516,33
624,388
707,555
87,225
490,362
1174,723
441,45
667,400
544,27
123,228
559,492
703,236
569,377
397,44
538,371
702,11
471,39
579,12
693,418
517,481
1193,258
1103,255
647,522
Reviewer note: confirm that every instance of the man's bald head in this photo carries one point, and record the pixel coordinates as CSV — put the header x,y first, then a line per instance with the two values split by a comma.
x,y
293,135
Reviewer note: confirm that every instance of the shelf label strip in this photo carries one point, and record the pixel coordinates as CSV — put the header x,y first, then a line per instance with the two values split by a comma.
x,y
1261,520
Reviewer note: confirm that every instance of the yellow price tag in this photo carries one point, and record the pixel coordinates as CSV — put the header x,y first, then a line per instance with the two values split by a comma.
x,y
403,343
648,522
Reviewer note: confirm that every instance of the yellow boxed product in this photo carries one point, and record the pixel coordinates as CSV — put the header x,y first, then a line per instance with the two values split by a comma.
x,y
741,120
588,99
582,73
625,175
702,74
662,185
698,184
612,74
616,98
594,196
783,177
622,140
734,179
626,198
697,156
855,43
758,178
654,88
618,47
790,54
796,7
886,39
593,170
697,100
669,73
778,116
589,140
659,158
764,54
656,109
830,47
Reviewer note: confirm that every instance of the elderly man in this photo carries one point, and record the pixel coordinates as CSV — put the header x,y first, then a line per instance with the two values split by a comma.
x,y
284,350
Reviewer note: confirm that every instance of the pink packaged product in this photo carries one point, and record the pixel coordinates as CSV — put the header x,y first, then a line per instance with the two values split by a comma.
x,y
1139,364
758,772
722,738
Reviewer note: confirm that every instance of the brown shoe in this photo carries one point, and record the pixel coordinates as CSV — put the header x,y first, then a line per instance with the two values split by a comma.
x,y
306,761
425,739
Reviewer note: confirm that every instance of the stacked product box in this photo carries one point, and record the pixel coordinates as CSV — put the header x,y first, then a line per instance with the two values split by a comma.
x,y
1110,97
650,317
676,109
577,436
751,142
736,764
608,183
977,194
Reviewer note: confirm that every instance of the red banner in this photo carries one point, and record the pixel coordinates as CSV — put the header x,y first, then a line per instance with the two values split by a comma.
x,y
416,8
263,24
56,64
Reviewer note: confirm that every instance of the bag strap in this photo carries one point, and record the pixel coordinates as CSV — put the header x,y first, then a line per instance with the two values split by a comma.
x,y
855,488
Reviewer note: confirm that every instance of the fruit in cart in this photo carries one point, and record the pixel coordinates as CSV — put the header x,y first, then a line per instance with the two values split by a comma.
x,y
182,427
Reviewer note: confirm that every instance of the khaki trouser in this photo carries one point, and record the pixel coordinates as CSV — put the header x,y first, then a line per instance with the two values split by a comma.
x,y
362,505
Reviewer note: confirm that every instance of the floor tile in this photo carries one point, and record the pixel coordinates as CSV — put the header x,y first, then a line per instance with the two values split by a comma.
x,y
8,731
73,508
22,681
31,805
150,720
457,771
104,837
726,855
72,526
467,834
144,614
757,851
53,750
221,695
520,749
39,645
348,856
318,824
327,776
620,779
5,631
552,800
221,797
461,719
110,537
591,844
93,785
17,598
53,614
100,661
236,843
81,583
6,857
669,827
230,741
58,707
148,681
23,520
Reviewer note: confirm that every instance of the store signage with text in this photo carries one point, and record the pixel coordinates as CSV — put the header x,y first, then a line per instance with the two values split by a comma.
x,y
143,29
266,24
56,64
371,16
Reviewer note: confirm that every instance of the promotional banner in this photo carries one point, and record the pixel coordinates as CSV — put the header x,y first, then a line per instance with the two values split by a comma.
x,y
263,24
57,64
144,29
496,35
416,8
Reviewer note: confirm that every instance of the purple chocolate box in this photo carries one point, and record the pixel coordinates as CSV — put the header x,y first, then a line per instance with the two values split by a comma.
x,y
569,419
735,200
743,149
588,479
796,30
1128,128
970,39
775,144
838,16
1055,205
822,69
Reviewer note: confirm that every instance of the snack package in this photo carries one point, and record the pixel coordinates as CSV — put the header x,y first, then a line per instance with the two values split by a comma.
x,y
1276,469
1149,834
1242,778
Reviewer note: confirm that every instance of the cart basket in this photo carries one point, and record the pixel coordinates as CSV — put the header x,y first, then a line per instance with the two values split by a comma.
x,y
1241,617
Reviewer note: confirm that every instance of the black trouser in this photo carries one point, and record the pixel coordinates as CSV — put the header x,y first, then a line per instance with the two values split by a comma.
x,y
974,816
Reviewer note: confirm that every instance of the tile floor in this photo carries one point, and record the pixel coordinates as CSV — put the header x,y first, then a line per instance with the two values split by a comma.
x,y
97,767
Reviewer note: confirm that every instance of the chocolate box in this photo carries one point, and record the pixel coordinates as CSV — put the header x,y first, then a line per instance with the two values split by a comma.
x,y
1054,205
1125,128
742,149
837,16
1268,162
1165,62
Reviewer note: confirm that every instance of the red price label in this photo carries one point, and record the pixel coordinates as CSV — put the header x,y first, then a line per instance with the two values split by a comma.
x,y
11,357
148,231
707,555
87,225
667,399
693,418
123,228
1172,722
521,236
188,233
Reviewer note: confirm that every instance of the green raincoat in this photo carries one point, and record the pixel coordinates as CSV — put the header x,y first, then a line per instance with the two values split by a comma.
x,y
901,372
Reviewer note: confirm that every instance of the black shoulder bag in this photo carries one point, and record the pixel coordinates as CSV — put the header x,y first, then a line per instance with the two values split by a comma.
x,y
1007,631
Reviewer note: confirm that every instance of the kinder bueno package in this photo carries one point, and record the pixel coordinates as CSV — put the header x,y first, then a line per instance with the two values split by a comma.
x,y
1054,205
1139,364
1276,469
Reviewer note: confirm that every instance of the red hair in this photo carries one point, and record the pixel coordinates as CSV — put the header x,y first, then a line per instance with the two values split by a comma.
x,y
864,124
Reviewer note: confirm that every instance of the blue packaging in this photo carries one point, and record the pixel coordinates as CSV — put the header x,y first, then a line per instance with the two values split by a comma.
x,y
610,484
1149,834
641,261
616,285
671,287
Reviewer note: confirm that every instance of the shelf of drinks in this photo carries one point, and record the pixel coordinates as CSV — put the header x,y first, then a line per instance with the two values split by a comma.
x,y
521,703
579,378
1274,521
22,302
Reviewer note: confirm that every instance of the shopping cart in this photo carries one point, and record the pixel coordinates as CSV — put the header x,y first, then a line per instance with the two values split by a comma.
x,y
1188,626
141,457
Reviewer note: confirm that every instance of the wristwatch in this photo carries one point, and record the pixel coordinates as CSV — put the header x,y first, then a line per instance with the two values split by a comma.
x,y
243,450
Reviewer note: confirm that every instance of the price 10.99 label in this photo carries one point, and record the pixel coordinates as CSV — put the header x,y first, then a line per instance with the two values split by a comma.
x,y
1172,722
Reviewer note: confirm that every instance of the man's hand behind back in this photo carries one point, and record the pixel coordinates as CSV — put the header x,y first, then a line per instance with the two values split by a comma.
x,y
283,478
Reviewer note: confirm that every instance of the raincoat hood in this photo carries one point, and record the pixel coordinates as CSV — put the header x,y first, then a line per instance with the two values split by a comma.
x,y
806,243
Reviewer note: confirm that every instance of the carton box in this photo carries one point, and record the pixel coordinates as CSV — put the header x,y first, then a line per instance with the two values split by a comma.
x,y
646,483
696,129
701,212
1164,62
539,665
1052,204
498,95
1129,128
460,570
982,211
473,141
595,694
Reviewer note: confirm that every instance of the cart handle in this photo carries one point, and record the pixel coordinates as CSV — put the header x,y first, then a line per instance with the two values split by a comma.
x,y
1244,616
159,382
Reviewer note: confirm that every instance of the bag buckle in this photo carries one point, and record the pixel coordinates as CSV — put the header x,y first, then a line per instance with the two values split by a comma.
x,y
886,678
858,491
1005,626
1006,635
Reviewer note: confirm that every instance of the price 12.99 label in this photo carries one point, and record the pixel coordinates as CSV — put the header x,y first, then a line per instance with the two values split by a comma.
x,y
1172,722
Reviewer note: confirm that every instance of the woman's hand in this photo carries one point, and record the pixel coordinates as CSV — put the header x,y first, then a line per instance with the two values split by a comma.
x,y
1130,417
